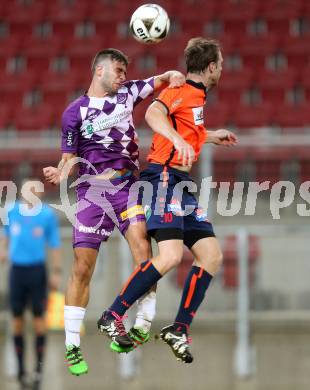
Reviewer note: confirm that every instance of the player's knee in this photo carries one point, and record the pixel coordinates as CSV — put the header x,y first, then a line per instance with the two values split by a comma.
x,y
171,259
143,250
82,270
216,260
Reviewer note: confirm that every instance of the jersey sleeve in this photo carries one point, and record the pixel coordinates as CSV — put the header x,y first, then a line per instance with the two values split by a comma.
x,y
52,230
140,89
168,97
71,122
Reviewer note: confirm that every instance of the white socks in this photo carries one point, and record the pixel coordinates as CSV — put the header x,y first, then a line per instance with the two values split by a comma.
x,y
73,320
146,311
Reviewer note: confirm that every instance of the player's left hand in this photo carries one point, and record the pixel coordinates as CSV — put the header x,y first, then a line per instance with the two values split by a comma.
x,y
225,137
176,79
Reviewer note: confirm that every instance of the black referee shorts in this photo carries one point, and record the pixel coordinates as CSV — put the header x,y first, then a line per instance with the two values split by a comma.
x,y
28,285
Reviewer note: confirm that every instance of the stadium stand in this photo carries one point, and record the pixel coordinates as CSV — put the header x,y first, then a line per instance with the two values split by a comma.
x,y
257,31
46,49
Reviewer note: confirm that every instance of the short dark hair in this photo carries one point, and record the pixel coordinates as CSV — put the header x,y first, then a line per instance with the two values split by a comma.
x,y
112,54
199,53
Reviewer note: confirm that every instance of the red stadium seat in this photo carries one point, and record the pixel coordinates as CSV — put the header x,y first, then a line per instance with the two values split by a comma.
x,y
254,50
279,14
21,17
248,116
57,88
34,118
192,22
297,50
230,263
13,87
275,84
10,46
236,79
226,166
236,17
268,164
65,16
40,159
218,115
6,114
292,116
35,45
9,163
105,13
39,56
303,156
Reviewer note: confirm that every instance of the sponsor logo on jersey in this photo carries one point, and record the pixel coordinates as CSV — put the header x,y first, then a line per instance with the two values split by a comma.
x,y
69,138
103,123
90,229
176,103
37,231
198,115
132,212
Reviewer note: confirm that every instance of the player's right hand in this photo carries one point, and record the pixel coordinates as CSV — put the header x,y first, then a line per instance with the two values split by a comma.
x,y
185,151
52,175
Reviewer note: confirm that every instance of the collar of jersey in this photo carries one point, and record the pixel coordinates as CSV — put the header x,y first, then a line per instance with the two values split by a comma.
x,y
197,85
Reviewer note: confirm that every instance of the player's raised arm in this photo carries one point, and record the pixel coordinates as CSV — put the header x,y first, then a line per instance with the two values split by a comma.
x,y
171,78
54,175
156,118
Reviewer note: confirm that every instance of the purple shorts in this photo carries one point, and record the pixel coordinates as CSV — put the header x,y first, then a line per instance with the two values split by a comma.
x,y
103,204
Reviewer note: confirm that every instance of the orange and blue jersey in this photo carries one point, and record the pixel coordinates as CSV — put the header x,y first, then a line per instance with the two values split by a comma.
x,y
185,112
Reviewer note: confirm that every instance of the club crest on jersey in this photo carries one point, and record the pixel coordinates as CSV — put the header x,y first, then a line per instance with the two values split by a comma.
x,y
201,215
175,207
121,98
198,115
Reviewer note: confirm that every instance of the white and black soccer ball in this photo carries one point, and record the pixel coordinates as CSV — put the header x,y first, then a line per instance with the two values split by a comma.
x,y
149,23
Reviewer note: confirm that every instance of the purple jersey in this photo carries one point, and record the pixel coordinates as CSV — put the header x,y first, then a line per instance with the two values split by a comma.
x,y
101,130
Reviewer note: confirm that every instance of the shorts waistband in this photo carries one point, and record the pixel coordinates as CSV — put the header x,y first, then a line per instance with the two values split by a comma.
x,y
114,174
160,168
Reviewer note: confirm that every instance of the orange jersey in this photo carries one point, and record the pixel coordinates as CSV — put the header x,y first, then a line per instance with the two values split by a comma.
x,y
185,113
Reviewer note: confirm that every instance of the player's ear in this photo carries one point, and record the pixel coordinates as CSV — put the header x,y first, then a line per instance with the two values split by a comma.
x,y
212,67
99,70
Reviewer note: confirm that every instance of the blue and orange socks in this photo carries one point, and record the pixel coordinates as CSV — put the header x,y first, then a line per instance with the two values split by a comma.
x,y
140,281
40,349
195,287
19,350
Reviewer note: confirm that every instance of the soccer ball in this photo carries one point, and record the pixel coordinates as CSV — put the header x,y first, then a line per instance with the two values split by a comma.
x,y
149,23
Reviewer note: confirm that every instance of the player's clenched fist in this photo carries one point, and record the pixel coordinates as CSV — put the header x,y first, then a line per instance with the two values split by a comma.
x,y
52,175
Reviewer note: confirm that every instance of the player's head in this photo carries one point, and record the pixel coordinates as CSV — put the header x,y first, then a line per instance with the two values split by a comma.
x,y
109,68
203,56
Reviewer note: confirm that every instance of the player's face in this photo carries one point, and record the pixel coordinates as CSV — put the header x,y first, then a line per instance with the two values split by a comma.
x,y
113,76
219,66
216,71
